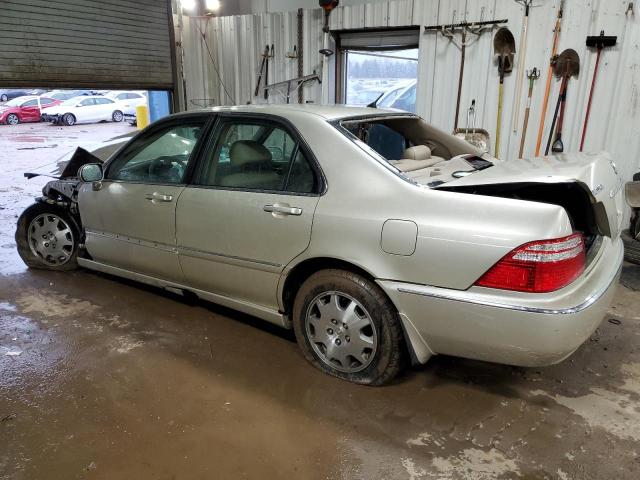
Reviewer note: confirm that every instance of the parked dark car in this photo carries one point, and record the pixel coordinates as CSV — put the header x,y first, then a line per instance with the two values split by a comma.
x,y
8,94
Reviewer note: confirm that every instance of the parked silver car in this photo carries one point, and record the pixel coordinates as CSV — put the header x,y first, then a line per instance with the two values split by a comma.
x,y
375,236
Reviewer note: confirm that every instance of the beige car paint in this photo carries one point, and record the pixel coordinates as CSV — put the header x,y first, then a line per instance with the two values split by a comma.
x,y
234,253
230,245
144,242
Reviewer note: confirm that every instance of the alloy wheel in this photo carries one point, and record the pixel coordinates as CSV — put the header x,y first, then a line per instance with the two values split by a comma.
x,y
51,239
341,332
13,119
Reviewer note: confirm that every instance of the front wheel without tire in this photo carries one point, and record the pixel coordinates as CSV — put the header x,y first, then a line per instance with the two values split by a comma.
x,y
47,238
348,328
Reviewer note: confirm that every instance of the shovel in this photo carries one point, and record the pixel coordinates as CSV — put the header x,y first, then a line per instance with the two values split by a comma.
x,y
504,47
567,65
600,42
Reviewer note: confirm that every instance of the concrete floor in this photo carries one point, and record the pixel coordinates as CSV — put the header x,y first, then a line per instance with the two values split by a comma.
x,y
117,380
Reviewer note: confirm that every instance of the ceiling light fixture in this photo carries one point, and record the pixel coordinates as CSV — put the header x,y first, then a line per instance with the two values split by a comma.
x,y
212,5
189,5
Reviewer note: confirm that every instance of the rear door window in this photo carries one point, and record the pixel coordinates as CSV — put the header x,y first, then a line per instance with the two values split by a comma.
x,y
257,156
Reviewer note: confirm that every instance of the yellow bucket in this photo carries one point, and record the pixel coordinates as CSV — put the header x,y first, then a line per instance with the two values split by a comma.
x,y
142,116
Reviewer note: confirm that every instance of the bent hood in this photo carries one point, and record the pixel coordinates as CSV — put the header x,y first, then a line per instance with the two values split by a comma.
x,y
595,172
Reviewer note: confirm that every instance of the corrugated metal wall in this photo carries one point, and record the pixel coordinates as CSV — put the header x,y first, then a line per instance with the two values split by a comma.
x,y
236,44
86,43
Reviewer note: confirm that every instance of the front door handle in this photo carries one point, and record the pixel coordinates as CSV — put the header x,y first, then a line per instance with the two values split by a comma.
x,y
158,197
282,210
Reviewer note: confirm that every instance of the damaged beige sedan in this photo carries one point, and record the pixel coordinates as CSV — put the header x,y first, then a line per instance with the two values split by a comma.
x,y
378,238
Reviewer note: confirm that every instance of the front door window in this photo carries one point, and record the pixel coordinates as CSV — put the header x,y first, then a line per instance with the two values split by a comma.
x,y
161,158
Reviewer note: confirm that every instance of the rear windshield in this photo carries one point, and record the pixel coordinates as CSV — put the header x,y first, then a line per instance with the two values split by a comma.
x,y
414,149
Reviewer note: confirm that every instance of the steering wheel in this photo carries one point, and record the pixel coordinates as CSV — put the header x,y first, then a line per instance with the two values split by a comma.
x,y
165,168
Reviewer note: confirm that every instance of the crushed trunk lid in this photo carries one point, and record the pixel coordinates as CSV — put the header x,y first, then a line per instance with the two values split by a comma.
x,y
596,174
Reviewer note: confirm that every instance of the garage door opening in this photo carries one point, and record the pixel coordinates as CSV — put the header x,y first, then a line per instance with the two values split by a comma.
x,y
378,65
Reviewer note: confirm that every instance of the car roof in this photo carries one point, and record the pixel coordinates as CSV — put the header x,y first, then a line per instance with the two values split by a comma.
x,y
26,98
328,112
84,97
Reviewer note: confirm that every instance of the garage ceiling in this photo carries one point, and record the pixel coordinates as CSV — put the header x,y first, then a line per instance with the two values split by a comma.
x,y
86,43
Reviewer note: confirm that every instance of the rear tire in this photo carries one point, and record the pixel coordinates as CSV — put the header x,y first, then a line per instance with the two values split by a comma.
x,y
371,351
48,238
117,116
4,98
69,119
631,248
13,119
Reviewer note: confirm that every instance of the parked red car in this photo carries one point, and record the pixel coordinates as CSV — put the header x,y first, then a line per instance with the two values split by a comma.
x,y
24,109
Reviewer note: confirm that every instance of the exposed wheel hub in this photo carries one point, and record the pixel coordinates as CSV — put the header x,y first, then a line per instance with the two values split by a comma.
x,y
341,331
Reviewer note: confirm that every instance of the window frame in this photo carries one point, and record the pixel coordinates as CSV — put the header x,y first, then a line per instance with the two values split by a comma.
x,y
207,119
214,138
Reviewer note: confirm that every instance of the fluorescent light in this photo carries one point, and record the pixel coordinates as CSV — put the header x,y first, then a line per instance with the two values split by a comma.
x,y
189,4
213,5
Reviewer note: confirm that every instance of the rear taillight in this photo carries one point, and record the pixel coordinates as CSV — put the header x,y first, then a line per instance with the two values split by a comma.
x,y
538,267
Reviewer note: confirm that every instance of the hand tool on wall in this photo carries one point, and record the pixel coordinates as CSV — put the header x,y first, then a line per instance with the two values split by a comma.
x,y
266,72
265,56
547,88
478,137
449,31
599,42
328,6
567,65
504,47
533,75
523,55
300,52
293,84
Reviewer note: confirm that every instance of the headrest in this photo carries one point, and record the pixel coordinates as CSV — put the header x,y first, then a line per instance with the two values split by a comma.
x,y
245,152
419,152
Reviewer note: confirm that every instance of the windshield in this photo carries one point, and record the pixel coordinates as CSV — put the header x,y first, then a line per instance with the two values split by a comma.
x,y
390,97
16,102
72,101
415,150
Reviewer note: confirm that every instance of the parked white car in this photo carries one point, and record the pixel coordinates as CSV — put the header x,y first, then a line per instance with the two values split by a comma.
x,y
84,109
401,97
128,100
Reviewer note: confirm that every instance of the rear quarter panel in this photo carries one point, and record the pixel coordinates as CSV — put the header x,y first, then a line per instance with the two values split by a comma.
x,y
459,236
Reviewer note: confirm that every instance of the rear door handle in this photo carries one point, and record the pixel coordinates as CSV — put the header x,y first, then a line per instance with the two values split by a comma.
x,y
158,197
283,209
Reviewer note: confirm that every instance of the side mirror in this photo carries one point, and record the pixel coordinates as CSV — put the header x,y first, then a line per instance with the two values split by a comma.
x,y
91,172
